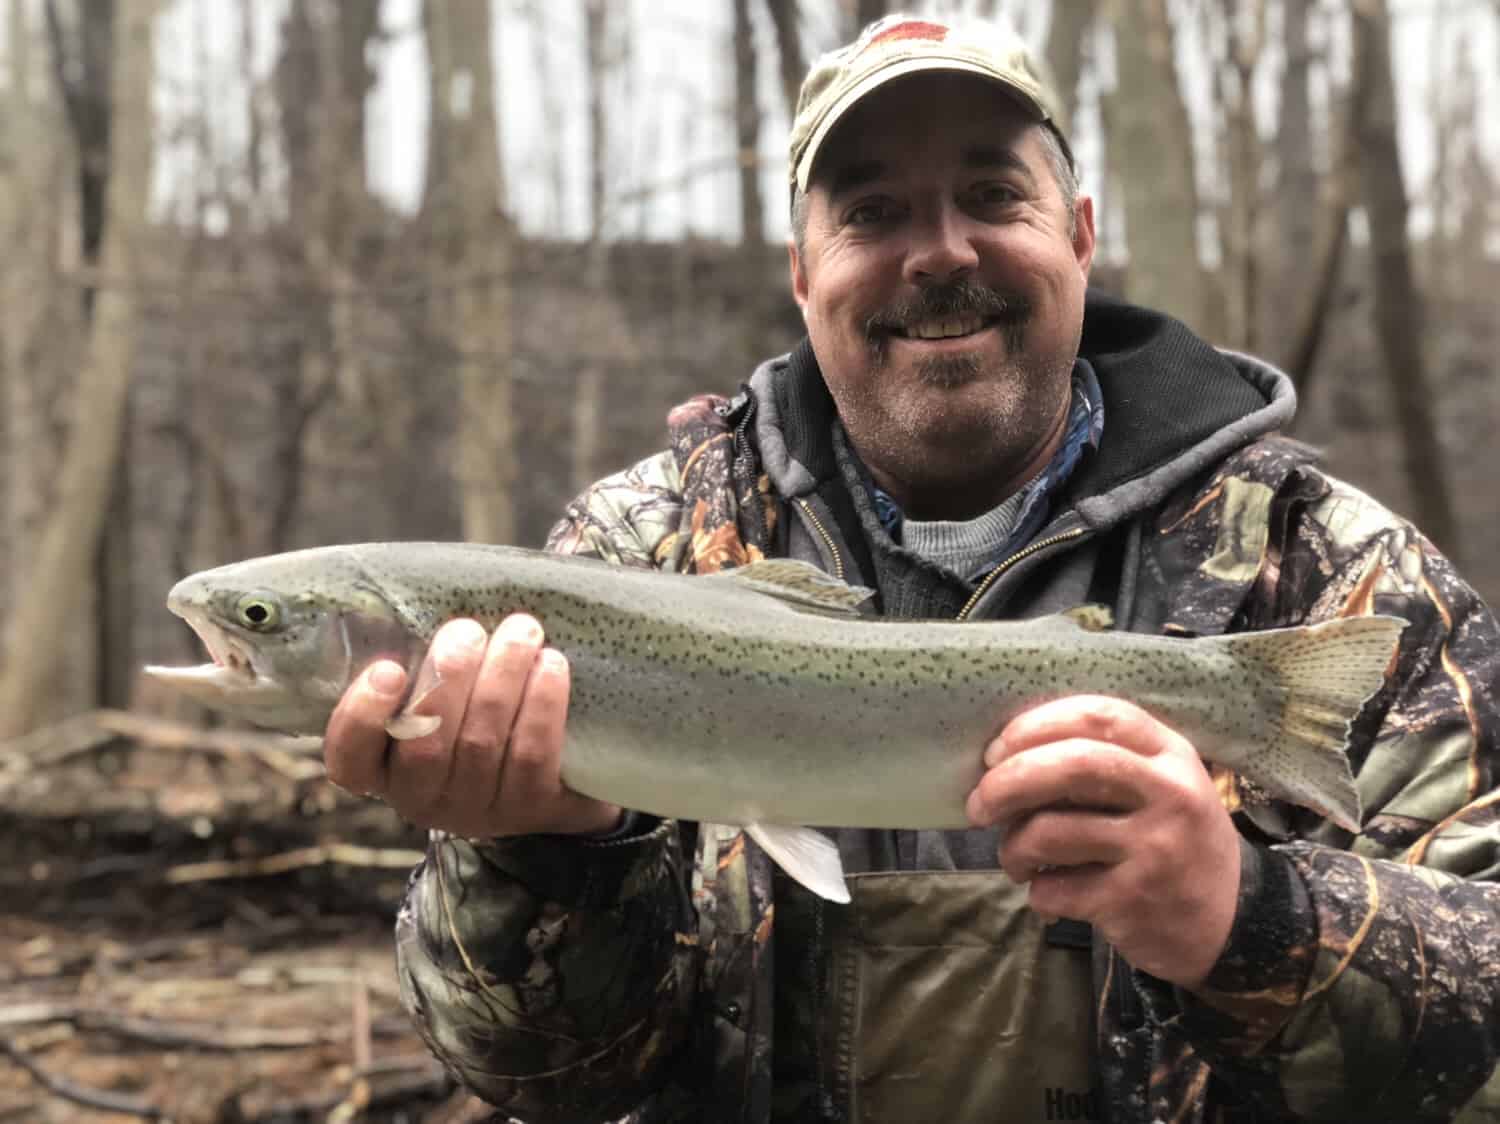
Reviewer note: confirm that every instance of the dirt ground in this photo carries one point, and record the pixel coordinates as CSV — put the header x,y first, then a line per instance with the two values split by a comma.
x,y
195,926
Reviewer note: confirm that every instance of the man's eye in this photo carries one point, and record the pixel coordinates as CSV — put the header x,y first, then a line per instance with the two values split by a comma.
x,y
996,194
866,214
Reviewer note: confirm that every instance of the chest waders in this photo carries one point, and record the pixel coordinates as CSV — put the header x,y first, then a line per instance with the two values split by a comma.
x,y
938,996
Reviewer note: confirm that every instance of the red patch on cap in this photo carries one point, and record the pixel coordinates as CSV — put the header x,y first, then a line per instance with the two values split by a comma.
x,y
911,29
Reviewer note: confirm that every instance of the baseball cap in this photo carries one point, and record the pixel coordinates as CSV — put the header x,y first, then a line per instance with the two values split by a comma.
x,y
899,45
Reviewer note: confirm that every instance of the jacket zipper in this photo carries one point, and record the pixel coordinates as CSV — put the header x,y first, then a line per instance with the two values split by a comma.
x,y
994,575
826,1108
744,460
833,550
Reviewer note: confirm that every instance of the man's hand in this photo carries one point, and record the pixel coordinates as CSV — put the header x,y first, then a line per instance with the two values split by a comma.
x,y
1112,819
492,767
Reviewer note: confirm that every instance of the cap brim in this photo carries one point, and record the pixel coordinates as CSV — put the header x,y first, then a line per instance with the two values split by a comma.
x,y
889,73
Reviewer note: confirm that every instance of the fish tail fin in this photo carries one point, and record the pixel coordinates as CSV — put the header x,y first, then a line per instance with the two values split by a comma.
x,y
1326,672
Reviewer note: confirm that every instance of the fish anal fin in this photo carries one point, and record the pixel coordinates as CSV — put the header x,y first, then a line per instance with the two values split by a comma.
x,y
808,856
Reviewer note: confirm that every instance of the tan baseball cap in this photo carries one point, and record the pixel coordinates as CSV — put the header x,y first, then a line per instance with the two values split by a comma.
x,y
900,45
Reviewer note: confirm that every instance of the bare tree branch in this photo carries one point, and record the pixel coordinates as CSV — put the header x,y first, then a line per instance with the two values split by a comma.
x,y
78,1094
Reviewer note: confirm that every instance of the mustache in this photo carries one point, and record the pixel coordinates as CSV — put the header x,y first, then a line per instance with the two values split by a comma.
x,y
959,298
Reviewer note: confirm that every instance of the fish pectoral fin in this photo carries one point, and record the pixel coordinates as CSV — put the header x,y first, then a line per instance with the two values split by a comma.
x,y
403,727
1090,618
799,585
407,725
808,856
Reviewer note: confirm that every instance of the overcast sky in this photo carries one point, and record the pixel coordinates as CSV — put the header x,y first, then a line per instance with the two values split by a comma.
x,y
674,94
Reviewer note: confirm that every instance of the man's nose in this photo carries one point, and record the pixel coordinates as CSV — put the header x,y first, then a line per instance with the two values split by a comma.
x,y
942,249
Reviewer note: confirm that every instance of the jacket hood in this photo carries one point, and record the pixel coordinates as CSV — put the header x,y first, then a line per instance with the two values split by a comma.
x,y
1173,406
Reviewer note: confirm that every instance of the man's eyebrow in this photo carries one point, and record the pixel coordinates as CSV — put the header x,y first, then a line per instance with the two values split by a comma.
x,y
855,174
996,156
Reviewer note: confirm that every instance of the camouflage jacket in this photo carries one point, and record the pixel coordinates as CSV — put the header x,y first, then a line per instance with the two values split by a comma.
x,y
581,980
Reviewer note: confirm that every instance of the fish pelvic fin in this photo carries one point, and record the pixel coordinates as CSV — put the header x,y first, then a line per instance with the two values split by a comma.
x,y
1327,671
807,855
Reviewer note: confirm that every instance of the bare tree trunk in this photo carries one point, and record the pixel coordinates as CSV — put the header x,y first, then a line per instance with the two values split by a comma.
x,y
27,209
1398,304
596,30
1150,137
550,109
114,561
254,117
1454,111
471,245
1296,200
1315,295
65,553
1475,185
747,131
1071,23
1242,260
298,88
339,212
83,57
588,391
786,19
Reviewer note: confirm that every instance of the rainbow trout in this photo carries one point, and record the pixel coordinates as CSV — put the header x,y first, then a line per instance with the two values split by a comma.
x,y
761,696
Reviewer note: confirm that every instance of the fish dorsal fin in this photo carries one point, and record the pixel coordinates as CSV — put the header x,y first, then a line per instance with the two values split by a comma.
x,y
1090,618
807,855
799,585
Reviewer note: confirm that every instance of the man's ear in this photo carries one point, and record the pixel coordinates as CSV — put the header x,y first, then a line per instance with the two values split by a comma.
x,y
799,276
1083,233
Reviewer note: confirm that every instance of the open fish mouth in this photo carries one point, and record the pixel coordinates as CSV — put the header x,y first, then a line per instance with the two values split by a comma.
x,y
230,666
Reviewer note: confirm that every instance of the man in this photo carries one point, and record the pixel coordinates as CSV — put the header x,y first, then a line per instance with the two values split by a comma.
x,y
1123,935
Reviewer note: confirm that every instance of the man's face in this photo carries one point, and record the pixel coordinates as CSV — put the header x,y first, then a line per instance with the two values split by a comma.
x,y
942,281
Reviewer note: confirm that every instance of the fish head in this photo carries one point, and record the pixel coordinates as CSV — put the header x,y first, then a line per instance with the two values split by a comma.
x,y
285,639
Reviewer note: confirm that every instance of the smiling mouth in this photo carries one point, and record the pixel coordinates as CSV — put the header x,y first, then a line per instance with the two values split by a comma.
x,y
943,328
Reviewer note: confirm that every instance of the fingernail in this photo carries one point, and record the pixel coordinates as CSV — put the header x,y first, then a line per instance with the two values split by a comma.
x,y
520,630
554,661
994,753
386,679
975,811
469,635
458,640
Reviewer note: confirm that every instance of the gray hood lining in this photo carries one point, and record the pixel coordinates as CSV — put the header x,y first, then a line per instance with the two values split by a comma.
x,y
791,478
1150,488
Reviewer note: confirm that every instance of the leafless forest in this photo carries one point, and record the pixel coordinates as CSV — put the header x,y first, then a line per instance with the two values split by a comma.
x,y
219,337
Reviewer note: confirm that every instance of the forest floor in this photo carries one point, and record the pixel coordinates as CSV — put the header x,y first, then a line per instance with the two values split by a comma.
x,y
196,927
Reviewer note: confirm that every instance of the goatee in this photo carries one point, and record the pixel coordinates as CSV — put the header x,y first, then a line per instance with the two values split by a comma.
x,y
948,372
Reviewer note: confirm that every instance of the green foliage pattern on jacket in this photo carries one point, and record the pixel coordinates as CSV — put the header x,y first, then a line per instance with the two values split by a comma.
x,y
571,980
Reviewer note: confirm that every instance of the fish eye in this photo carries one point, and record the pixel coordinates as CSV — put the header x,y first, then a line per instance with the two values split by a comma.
x,y
258,612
